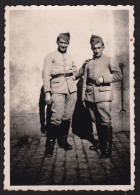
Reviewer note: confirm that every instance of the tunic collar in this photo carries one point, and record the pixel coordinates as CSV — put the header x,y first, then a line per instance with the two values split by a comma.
x,y
61,52
98,57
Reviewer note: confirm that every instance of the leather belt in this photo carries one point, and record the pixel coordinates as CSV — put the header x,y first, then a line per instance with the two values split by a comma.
x,y
93,82
103,84
63,74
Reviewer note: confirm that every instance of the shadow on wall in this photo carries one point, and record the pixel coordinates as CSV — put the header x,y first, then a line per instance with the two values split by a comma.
x,y
81,125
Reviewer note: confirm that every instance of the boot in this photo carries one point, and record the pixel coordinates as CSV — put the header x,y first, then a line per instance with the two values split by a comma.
x,y
49,147
50,142
62,138
109,142
99,133
94,142
106,141
62,142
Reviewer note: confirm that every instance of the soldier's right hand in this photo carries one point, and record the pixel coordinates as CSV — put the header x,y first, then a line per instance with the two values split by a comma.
x,y
83,104
85,63
48,98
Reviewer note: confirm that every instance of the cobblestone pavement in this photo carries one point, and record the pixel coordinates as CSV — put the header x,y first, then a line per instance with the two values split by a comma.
x,y
79,166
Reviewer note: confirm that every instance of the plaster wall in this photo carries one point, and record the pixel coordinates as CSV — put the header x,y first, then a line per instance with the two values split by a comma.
x,y
33,34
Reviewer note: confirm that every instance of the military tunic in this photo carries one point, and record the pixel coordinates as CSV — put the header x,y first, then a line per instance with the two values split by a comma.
x,y
62,88
98,97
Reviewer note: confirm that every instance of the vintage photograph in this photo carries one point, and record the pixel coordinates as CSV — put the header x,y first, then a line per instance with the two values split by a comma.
x,y
69,98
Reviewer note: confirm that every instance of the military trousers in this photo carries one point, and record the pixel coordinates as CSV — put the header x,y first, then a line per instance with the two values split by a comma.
x,y
100,112
62,107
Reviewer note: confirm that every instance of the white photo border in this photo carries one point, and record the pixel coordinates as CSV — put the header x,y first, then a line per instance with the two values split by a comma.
x,y
7,185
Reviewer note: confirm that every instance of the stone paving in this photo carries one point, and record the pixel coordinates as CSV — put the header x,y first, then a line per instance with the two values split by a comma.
x,y
79,166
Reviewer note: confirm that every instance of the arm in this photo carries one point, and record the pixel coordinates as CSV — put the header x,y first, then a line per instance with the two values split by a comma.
x,y
80,72
115,75
46,79
84,84
47,66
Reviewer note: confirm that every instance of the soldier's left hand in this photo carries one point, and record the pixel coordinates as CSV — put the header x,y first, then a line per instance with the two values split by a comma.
x,y
99,81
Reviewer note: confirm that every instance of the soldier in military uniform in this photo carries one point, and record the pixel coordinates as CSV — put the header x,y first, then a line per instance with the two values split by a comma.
x,y
99,73
60,91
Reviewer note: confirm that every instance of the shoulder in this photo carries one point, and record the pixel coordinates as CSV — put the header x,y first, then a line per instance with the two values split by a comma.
x,y
48,59
110,59
51,55
106,60
105,57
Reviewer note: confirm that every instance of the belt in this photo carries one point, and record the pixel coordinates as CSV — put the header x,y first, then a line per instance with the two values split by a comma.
x,y
103,84
63,74
93,82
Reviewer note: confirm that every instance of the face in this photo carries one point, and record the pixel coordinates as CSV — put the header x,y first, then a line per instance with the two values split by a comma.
x,y
97,49
62,45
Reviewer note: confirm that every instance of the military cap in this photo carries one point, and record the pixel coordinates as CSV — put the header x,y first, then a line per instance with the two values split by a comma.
x,y
64,36
95,39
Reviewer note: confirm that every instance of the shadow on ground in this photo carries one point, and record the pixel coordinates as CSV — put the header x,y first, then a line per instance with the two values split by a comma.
x,y
80,166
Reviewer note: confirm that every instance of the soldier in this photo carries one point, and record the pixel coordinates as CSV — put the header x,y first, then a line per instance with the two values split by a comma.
x,y
99,73
60,91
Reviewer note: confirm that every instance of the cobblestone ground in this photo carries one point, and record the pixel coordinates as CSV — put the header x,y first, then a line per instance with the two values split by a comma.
x,y
80,166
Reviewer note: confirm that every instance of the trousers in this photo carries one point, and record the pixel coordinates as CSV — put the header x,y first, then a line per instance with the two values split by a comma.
x,y
62,107
100,112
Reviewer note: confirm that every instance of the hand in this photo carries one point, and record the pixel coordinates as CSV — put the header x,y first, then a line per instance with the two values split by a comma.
x,y
83,104
99,81
48,98
73,77
74,68
86,62
43,128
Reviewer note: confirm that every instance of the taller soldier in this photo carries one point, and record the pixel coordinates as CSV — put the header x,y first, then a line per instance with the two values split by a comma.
x,y
60,91
99,73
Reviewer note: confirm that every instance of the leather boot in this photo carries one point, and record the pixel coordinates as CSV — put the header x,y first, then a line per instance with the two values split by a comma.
x,y
50,142
62,142
103,141
109,142
106,141
62,138
99,133
94,142
49,147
